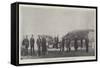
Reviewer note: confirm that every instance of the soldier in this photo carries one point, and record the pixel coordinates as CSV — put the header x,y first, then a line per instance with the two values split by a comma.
x,y
75,44
81,40
26,45
87,44
62,45
81,43
44,48
23,48
32,41
57,41
39,45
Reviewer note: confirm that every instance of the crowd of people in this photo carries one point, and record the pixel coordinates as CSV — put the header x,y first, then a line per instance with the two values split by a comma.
x,y
42,45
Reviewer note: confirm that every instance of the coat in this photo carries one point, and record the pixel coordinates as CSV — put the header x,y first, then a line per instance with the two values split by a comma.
x,y
32,41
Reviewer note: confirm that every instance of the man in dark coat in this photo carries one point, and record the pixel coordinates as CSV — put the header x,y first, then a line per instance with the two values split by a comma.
x,y
32,41
81,45
75,44
54,44
57,41
87,44
25,43
39,45
23,48
44,48
62,45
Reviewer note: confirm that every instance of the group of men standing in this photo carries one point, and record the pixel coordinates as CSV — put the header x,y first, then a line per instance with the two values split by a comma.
x,y
41,46
68,42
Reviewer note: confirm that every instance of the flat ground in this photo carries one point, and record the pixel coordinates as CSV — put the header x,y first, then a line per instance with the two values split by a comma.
x,y
55,53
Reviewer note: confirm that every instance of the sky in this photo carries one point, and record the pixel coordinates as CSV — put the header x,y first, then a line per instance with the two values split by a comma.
x,y
54,20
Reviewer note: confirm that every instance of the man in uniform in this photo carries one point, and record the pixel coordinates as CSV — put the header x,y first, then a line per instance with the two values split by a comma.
x,y
81,43
26,45
57,41
75,44
44,48
62,46
32,41
87,44
39,45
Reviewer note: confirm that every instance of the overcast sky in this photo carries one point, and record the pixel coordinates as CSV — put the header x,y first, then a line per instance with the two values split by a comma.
x,y
54,20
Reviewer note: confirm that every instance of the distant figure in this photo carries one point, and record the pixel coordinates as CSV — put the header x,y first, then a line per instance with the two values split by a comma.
x,y
32,41
57,42
62,45
67,42
75,44
54,43
39,45
26,45
81,43
44,48
23,48
87,44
